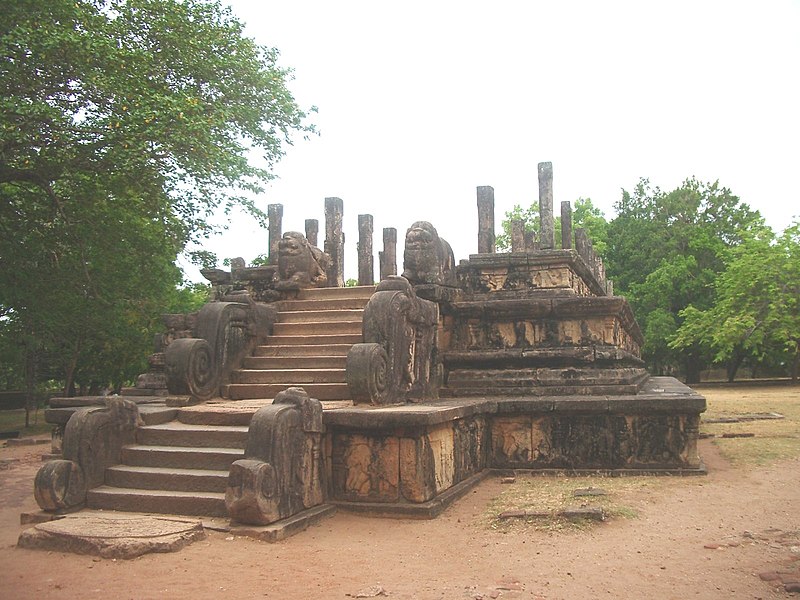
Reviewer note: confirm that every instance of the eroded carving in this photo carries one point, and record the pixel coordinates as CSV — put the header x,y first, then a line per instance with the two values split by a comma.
x,y
281,473
300,265
93,441
397,361
427,257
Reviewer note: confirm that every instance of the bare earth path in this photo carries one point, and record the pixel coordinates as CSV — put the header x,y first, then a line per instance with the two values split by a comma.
x,y
749,512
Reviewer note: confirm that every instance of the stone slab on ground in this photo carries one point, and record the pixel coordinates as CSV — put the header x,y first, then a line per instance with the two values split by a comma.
x,y
112,536
280,530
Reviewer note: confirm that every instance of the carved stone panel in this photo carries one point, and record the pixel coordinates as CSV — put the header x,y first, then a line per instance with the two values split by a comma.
x,y
366,468
511,441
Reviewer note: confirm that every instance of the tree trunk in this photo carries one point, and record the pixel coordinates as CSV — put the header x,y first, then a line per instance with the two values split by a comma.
x,y
796,363
69,374
30,383
693,368
733,365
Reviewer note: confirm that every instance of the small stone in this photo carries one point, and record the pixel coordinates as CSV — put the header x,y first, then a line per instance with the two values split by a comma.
x,y
769,576
792,588
712,546
589,492
508,480
372,592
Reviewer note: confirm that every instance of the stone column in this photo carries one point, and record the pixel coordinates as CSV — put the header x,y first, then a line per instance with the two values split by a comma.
x,y
530,241
566,225
275,216
366,265
518,236
485,219
312,231
546,234
388,257
582,246
334,240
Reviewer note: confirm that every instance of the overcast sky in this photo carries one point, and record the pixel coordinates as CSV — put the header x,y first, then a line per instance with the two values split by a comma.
x,y
421,102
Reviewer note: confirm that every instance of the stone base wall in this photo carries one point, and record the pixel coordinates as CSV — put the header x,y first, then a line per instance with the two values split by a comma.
x,y
407,464
595,441
412,454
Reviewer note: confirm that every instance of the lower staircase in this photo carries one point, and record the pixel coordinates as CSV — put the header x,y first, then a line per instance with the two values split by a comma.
x,y
181,460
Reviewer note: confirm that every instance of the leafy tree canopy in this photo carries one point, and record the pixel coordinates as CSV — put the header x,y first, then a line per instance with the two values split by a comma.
x,y
756,308
584,214
124,124
665,251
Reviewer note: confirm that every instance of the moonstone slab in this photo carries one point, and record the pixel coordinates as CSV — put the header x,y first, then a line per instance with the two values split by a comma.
x,y
112,537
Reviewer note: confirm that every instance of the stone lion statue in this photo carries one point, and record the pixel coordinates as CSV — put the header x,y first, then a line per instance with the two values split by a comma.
x,y
427,257
300,265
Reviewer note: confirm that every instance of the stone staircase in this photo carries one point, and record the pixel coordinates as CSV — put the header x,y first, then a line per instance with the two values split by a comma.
x,y
308,347
181,460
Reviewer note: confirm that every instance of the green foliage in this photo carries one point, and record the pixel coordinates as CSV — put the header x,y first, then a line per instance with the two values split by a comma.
x,y
124,124
755,310
584,214
665,251
351,283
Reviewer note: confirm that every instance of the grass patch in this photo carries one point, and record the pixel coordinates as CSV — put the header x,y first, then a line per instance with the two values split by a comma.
x,y
774,439
548,493
14,420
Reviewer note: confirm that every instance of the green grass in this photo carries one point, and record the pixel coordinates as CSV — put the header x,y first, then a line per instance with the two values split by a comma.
x,y
774,440
14,420
552,494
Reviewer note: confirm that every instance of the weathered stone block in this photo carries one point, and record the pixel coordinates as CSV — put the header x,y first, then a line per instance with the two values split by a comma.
x,y
511,441
366,468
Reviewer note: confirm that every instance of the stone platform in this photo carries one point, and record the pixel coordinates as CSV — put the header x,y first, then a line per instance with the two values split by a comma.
x,y
412,460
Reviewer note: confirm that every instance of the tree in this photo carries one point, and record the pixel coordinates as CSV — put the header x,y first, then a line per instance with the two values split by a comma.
x,y
124,124
665,251
755,310
584,214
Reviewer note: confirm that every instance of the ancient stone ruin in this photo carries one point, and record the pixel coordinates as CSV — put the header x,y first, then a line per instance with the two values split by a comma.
x,y
393,398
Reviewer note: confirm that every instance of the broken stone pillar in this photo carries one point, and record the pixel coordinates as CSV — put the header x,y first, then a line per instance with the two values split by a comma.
x,y
312,231
366,267
582,245
566,225
485,219
518,236
388,257
530,241
546,233
275,215
334,241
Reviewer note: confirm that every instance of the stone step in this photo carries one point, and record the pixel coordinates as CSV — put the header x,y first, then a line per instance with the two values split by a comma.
x,y
288,377
298,350
315,340
225,413
176,433
320,316
295,362
215,459
359,291
161,478
317,328
209,504
324,304
320,391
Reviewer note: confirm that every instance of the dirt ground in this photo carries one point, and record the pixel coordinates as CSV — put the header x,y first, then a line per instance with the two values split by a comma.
x,y
693,537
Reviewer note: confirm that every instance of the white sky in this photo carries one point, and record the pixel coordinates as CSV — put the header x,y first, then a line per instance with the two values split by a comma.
x,y
421,102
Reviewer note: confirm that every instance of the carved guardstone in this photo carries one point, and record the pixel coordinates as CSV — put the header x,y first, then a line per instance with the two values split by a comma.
x,y
93,441
397,361
281,474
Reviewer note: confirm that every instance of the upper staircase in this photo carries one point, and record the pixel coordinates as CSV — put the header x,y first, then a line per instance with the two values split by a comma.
x,y
308,347
181,460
